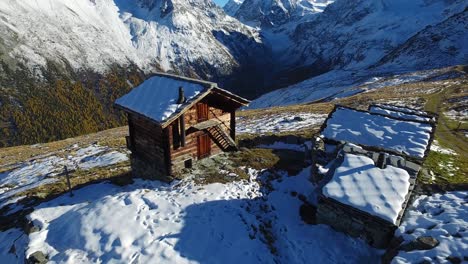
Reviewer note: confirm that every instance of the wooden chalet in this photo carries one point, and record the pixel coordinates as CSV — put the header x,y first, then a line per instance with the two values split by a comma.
x,y
174,121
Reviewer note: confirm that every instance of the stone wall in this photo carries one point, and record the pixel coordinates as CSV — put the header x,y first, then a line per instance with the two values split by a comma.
x,y
148,170
371,229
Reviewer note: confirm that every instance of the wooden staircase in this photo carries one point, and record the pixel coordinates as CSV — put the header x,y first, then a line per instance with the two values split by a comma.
x,y
221,138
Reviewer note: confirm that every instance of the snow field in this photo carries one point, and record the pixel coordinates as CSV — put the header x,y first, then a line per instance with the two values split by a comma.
x,y
45,170
442,216
150,221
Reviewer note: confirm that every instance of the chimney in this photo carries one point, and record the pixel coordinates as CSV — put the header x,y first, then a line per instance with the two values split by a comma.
x,y
181,98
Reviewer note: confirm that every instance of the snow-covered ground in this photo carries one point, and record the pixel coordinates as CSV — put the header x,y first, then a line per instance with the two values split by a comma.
x,y
337,84
43,170
437,148
443,217
149,221
278,123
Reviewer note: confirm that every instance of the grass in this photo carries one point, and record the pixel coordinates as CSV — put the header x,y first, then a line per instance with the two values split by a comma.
x,y
79,178
13,155
448,169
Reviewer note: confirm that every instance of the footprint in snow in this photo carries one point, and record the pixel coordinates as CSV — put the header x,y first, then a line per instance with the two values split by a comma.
x,y
127,201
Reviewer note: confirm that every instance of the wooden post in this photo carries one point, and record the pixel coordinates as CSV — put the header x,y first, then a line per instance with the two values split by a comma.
x,y
131,131
167,151
68,181
233,125
182,130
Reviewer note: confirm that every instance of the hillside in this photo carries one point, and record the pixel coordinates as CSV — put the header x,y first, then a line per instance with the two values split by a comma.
x,y
260,202
63,63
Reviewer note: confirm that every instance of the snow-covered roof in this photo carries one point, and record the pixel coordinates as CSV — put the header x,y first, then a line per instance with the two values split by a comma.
x,y
156,98
363,128
359,183
401,113
403,109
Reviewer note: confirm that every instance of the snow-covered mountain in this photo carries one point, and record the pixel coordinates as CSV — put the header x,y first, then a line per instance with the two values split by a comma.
x,y
186,37
358,34
435,46
275,13
232,6
352,42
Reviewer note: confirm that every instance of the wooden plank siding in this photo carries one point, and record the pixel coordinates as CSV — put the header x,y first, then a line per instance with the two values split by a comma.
x,y
180,154
148,140
161,148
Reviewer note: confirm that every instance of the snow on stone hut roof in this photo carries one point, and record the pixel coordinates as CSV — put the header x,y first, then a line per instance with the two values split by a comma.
x,y
373,130
357,182
401,113
156,98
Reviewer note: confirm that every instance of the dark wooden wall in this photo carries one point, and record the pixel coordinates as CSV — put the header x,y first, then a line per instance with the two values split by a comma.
x,y
148,142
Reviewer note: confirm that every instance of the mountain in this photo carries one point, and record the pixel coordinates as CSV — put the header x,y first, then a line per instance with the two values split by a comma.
x,y
232,6
185,37
276,13
435,46
358,34
352,43
63,63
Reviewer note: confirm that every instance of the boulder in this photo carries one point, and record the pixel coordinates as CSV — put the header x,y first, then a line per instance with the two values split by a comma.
x,y
421,243
454,260
37,258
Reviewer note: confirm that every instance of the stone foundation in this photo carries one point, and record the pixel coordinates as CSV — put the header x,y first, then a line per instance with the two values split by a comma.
x,y
343,218
147,170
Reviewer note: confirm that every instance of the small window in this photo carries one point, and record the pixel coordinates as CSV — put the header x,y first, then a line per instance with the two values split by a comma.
x,y
175,135
188,164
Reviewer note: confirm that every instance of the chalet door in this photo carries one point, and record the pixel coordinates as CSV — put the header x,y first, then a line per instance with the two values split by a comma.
x,y
202,112
204,146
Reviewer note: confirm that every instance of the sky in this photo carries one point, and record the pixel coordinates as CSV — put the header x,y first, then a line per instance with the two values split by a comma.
x,y
221,3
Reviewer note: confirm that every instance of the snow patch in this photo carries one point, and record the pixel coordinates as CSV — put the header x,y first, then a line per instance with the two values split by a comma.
x,y
442,216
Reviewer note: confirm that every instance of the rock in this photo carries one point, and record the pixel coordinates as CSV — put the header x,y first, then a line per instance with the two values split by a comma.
x,y
392,250
37,258
454,260
308,213
29,228
421,243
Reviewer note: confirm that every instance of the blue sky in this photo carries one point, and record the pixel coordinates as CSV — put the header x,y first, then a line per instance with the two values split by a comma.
x,y
220,2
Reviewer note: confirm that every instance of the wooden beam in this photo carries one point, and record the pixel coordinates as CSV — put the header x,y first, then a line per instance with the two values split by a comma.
x,y
131,132
167,151
233,125
182,130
